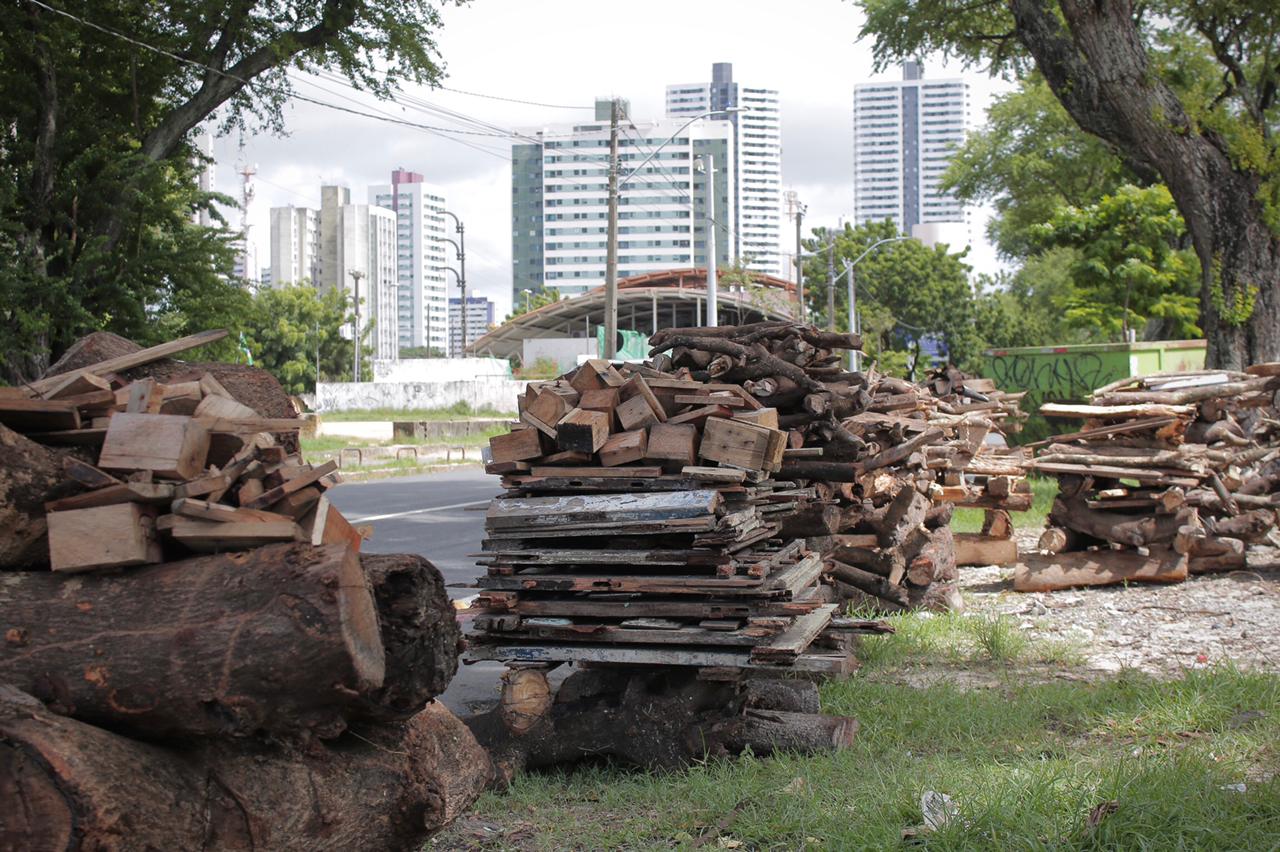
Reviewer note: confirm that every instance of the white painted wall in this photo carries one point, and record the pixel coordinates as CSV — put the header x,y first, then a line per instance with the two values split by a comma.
x,y
496,393
565,351
441,369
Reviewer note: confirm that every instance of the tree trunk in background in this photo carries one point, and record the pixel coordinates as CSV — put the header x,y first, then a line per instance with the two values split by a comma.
x,y
1098,67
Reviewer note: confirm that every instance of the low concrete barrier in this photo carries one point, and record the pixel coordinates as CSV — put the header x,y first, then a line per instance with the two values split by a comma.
x,y
493,393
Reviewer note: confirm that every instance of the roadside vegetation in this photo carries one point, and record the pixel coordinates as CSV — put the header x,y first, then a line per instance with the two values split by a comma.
x,y
457,411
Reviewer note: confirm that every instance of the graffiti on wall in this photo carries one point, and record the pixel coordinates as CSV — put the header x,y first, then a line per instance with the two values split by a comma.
x,y
1065,377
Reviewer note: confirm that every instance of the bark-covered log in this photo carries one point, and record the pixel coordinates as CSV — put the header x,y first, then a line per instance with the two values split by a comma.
x,y
935,561
1251,526
661,719
30,475
868,582
420,634
817,519
904,514
284,639
68,785
771,693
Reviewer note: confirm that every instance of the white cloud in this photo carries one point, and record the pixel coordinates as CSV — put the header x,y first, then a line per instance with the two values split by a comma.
x,y
569,52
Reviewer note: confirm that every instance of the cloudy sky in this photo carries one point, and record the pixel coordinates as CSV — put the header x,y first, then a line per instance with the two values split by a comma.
x,y
568,52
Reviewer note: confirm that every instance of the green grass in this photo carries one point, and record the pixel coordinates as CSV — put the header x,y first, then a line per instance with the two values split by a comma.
x,y
458,411
1024,762
1043,490
333,443
925,638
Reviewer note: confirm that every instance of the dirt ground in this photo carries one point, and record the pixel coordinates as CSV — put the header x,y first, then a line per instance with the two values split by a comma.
x,y
1158,629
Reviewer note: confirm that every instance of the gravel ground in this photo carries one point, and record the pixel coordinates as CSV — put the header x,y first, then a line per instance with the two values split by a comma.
x,y
1158,629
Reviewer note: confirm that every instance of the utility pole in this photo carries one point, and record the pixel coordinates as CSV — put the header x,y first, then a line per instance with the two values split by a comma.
x,y
853,311
611,257
799,214
356,275
461,247
713,296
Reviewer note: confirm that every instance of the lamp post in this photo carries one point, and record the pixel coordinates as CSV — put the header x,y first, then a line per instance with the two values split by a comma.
x,y
527,292
461,247
713,296
462,315
356,275
853,290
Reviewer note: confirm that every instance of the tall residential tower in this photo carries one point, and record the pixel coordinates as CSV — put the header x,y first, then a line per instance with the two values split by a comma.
x,y
757,154
904,134
421,256
295,246
559,200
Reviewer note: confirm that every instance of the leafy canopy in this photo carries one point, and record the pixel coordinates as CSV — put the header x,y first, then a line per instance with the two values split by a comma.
x,y
289,328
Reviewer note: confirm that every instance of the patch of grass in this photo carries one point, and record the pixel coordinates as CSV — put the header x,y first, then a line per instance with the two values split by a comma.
x,y
1024,763
334,443
457,411
998,639
1043,490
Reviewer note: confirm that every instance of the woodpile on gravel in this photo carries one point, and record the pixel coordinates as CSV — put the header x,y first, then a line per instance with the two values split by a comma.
x,y
1171,474
194,653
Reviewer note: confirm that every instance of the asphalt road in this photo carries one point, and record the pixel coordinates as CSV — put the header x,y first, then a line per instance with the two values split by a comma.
x,y
441,517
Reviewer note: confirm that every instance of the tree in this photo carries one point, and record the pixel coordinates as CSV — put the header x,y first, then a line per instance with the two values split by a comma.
x,y
1115,67
96,166
535,300
1026,308
909,295
1128,269
293,330
1028,160
422,352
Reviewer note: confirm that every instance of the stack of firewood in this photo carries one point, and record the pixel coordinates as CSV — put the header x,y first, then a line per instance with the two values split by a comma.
x,y
1171,474
859,440
195,654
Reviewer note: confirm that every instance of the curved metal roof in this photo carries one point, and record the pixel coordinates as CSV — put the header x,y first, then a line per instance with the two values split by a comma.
x,y
667,299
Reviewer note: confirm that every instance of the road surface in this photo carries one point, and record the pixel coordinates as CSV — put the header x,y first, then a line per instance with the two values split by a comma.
x,y
441,517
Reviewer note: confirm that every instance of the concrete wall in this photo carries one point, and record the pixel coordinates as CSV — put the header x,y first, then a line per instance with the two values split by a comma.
x,y
440,369
565,351
499,394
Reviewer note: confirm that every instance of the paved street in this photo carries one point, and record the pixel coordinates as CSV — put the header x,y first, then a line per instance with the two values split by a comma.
x,y
440,516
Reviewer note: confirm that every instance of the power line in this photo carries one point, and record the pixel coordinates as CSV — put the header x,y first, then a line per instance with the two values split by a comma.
x,y
514,100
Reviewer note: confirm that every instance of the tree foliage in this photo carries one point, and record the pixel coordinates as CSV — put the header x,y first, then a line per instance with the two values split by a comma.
x,y
1185,91
909,294
97,170
536,299
291,331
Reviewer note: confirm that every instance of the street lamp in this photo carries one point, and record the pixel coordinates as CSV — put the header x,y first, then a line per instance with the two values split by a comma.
x,y
854,325
356,275
461,247
462,313
526,292
713,295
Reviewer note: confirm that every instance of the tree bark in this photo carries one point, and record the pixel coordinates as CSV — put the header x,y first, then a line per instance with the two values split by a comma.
x,y
420,633
1098,68
65,784
30,475
283,639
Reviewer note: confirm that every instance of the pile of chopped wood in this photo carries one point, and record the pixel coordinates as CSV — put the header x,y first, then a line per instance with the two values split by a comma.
x,y
1171,474
858,440
195,654
641,524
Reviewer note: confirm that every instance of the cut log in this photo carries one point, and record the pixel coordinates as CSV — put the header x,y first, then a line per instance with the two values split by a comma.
x,y
516,445
977,549
676,442
624,448
867,582
1039,573
583,431
69,785
169,445
817,520
283,639
30,476
905,514
935,560
657,719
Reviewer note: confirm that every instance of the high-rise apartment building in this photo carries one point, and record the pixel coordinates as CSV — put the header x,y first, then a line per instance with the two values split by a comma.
x,y
295,243
477,319
904,134
559,200
422,254
358,244
757,154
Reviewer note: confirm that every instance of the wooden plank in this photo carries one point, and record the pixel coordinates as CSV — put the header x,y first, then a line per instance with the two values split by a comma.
x,y
250,426
139,358
718,398
607,556
624,448
38,415
649,584
86,474
77,384
533,512
766,417
324,524
638,386
600,399
736,443
216,406
516,445
212,537
638,606
699,657
1044,573
1115,412
797,638
714,474
1158,476
635,413
706,412
203,510
683,635
111,536
583,431
168,445
312,477
977,549
158,493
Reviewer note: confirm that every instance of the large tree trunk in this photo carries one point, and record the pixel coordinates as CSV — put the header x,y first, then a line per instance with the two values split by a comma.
x,y
284,639
420,633
66,785
657,719
30,475
1098,67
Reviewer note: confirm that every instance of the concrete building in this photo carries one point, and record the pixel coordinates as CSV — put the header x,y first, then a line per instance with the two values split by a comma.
x,y
361,238
295,243
422,254
904,133
757,154
478,318
332,200
559,200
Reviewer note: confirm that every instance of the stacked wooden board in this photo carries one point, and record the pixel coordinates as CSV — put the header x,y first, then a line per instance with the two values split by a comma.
x,y
642,524
1171,474
187,605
